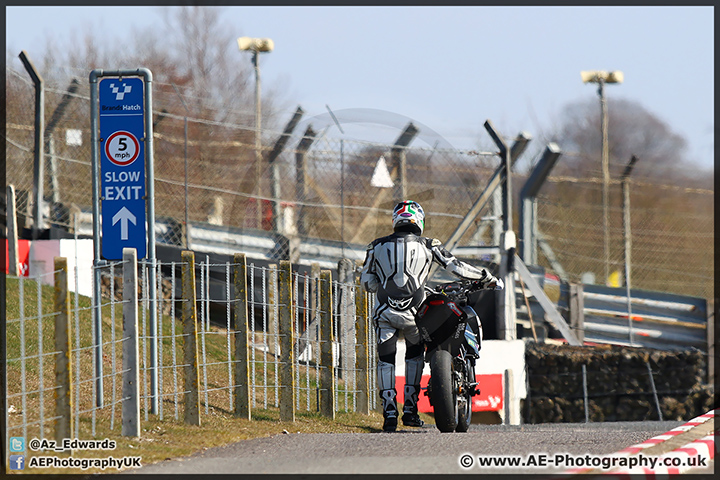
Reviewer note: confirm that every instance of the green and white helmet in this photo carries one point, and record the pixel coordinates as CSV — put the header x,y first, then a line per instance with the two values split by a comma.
x,y
409,212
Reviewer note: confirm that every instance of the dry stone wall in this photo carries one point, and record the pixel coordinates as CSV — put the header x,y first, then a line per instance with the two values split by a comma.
x,y
114,286
617,384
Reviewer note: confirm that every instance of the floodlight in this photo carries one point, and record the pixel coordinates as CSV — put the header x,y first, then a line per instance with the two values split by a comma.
x,y
256,44
596,76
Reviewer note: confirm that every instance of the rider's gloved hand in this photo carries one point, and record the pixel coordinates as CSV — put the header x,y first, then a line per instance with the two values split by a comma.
x,y
491,283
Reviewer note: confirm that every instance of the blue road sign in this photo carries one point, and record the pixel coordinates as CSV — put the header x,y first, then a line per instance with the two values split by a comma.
x,y
122,166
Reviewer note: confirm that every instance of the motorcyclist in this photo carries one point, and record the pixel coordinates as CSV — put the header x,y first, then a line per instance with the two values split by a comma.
x,y
396,269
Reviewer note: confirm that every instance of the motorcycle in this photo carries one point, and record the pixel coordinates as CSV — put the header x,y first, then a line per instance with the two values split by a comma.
x,y
451,332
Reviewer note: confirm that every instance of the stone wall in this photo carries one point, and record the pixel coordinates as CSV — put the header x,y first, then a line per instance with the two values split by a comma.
x,y
618,384
117,289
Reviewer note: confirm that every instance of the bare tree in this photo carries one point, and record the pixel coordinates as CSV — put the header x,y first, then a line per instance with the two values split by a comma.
x,y
632,130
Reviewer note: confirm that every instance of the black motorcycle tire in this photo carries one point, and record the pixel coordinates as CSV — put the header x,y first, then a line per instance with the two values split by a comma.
x,y
444,397
465,413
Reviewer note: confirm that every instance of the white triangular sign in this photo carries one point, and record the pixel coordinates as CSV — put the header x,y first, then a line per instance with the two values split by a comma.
x,y
381,176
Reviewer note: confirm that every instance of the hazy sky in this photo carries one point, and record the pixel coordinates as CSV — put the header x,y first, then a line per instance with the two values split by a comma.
x,y
452,68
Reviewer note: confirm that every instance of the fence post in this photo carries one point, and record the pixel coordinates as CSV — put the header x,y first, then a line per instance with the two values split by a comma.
x,y
130,349
190,357
63,366
39,157
346,327
654,391
285,330
512,403
507,387
576,306
315,305
585,393
710,329
327,377
361,356
242,339
12,233
272,298
301,189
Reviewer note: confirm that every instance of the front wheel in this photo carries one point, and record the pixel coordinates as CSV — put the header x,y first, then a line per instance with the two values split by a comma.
x,y
444,398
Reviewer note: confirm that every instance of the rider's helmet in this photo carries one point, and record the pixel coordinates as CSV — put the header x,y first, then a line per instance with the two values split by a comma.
x,y
408,216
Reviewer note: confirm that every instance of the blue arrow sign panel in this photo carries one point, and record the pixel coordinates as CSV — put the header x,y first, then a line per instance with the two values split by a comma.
x,y
122,165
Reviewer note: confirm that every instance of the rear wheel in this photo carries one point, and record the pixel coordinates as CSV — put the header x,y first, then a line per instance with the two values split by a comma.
x,y
465,400
444,398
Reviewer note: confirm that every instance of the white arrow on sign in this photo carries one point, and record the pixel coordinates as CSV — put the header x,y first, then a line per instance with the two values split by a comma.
x,y
124,216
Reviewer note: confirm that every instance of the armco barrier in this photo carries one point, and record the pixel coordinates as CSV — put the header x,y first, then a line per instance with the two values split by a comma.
x,y
658,320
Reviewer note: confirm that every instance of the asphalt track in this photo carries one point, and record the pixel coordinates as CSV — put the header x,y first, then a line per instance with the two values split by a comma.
x,y
424,450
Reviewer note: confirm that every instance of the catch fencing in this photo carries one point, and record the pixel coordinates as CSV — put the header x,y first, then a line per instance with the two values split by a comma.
x,y
206,170
207,175
273,339
671,229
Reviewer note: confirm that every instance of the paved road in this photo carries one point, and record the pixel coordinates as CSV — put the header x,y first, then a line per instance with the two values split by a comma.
x,y
412,450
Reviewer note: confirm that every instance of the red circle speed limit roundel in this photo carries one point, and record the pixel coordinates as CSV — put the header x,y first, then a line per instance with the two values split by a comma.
x,y
122,148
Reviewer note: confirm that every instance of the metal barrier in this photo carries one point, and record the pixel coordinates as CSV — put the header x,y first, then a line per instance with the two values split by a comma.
x,y
657,320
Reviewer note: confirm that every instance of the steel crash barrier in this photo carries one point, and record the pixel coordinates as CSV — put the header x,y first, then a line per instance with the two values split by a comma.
x,y
665,321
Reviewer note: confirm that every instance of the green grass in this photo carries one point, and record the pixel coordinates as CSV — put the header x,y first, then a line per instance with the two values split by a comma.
x,y
161,438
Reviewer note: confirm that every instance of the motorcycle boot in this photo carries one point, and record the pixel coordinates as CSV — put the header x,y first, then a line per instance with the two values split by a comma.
x,y
410,416
390,410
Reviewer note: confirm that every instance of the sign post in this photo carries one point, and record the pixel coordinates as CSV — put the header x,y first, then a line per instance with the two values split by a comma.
x,y
123,179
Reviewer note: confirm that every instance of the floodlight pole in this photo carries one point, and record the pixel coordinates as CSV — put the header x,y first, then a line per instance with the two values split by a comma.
x,y
257,45
606,175
601,78
258,144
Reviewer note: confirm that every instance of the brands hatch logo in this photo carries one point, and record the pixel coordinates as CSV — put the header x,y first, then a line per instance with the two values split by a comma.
x,y
118,94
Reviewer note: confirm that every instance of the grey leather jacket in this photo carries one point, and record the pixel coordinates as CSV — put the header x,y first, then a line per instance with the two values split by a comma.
x,y
397,267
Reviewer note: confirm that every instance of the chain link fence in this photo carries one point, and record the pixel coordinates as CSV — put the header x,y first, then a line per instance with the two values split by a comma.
x,y
671,231
207,172
33,375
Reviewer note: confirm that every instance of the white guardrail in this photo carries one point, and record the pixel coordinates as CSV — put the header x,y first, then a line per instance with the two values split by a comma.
x,y
657,320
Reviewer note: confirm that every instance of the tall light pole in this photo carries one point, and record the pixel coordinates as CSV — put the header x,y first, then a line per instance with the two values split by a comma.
x,y
257,45
601,78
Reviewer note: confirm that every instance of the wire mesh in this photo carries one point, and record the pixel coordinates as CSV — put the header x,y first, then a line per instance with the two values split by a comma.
x,y
326,191
29,330
671,233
